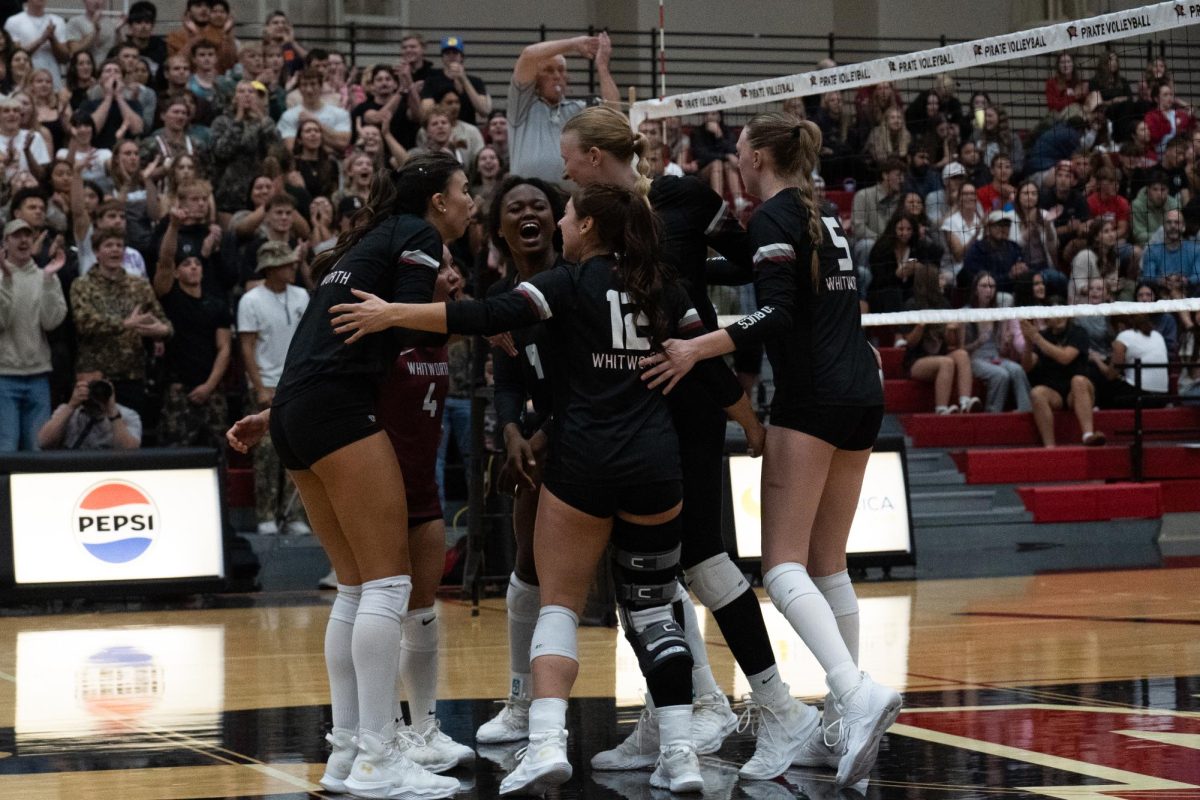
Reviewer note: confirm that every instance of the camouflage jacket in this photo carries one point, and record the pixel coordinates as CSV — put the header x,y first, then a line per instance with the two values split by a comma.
x,y
100,305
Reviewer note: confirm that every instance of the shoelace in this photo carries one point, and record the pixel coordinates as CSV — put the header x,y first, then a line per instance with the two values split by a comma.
x,y
542,738
431,733
751,718
406,738
825,729
710,702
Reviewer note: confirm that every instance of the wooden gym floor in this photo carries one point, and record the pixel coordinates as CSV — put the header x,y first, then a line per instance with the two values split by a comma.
x,y
1081,685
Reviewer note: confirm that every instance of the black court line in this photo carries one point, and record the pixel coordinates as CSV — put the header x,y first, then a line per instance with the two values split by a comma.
x,y
1081,618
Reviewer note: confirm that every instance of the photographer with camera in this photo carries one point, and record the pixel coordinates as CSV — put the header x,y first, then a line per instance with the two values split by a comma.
x,y
92,419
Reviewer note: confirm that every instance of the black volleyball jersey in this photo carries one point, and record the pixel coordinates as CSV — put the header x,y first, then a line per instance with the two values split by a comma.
x,y
693,218
397,261
609,428
813,335
529,375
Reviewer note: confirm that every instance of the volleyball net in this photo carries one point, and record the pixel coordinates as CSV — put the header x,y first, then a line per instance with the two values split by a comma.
x,y
1003,101
1011,68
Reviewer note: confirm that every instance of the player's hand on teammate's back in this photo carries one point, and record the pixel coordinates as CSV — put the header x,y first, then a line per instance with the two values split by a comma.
x,y
677,358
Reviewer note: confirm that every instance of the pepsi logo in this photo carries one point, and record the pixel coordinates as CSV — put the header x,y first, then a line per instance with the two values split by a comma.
x,y
115,521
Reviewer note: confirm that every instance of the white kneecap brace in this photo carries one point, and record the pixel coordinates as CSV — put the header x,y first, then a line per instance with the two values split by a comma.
x,y
556,634
716,581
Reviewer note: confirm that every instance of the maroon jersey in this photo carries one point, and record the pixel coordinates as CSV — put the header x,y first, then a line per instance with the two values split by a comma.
x,y
411,401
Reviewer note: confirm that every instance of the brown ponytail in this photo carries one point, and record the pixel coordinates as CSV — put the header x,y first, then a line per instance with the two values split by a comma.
x,y
795,147
626,225
404,192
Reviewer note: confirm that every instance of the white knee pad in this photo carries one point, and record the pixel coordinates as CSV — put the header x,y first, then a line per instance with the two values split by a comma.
x,y
716,581
838,591
556,634
523,599
386,597
345,605
421,631
787,583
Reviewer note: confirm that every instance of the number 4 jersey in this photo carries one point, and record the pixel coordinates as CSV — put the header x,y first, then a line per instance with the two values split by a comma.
x,y
410,405
812,330
610,429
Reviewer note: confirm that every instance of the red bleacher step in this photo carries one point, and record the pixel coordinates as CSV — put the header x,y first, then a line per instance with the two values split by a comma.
x,y
1076,463
1180,496
1015,428
1093,502
902,395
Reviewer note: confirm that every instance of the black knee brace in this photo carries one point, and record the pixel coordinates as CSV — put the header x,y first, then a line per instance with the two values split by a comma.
x,y
646,566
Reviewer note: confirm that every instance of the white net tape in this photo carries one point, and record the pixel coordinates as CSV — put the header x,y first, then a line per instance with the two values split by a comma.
x,y
1151,19
944,316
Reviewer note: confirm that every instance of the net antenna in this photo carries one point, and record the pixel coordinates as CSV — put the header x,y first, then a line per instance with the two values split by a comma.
x,y
1046,40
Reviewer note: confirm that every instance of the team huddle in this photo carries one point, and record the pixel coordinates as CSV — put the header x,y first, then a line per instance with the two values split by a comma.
x,y
612,397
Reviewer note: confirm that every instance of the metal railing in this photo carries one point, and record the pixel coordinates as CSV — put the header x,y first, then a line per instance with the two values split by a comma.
x,y
1137,452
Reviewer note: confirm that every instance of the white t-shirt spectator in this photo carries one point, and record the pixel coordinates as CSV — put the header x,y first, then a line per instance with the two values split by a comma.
x,y
26,29
80,27
964,231
1150,349
97,170
37,149
274,317
332,117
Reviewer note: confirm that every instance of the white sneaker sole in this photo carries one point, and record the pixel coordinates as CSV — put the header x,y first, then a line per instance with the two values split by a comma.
x,y
859,764
681,784
633,762
826,762
390,791
551,776
332,784
501,738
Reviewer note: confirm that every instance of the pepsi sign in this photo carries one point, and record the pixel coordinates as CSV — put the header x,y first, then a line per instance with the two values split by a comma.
x,y
115,521
100,526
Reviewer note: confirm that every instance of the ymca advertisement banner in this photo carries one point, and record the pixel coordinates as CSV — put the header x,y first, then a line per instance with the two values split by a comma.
x,y
116,526
993,50
881,524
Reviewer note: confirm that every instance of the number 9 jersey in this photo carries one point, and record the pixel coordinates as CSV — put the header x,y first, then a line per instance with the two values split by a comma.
x,y
812,331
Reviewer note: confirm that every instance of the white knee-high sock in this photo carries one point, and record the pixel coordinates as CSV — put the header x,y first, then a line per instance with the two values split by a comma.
x,y
838,591
801,603
703,681
378,630
419,666
339,660
523,601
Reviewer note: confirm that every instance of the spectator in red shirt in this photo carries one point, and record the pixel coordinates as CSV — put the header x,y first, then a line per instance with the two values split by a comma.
x,y
999,194
1167,120
1065,88
1105,202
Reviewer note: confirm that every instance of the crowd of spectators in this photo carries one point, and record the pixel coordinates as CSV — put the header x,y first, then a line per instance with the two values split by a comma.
x,y
946,205
164,192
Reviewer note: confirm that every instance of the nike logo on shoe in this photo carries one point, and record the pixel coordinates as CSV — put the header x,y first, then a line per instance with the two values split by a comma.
x,y
427,621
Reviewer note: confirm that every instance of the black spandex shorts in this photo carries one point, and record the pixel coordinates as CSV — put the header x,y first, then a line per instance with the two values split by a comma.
x,y
642,499
844,427
327,417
